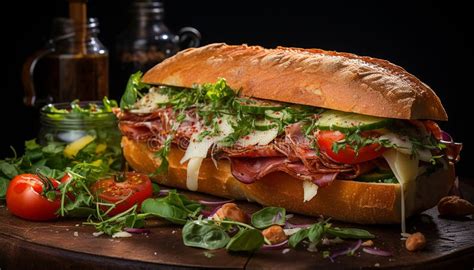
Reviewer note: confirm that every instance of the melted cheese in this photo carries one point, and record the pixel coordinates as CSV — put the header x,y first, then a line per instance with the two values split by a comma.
x,y
405,170
309,190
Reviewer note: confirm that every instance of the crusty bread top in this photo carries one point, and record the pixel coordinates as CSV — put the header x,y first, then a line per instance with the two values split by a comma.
x,y
314,77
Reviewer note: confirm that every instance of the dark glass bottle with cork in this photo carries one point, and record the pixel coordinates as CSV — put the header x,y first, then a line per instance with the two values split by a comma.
x,y
147,41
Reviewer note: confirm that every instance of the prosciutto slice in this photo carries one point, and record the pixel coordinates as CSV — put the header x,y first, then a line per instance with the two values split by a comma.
x,y
291,152
249,170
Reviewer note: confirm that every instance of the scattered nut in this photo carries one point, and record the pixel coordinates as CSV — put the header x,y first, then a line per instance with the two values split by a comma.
x,y
368,243
274,234
455,207
416,241
231,211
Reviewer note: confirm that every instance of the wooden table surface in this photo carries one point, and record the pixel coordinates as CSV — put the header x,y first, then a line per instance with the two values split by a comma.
x,y
67,244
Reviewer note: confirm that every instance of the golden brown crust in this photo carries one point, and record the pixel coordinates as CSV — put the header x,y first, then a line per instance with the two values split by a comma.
x,y
327,79
343,200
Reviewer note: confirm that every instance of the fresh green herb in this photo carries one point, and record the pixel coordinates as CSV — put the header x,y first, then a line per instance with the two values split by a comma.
x,y
133,91
356,141
3,187
298,237
163,155
269,216
315,232
349,233
156,188
247,240
204,234
115,224
174,208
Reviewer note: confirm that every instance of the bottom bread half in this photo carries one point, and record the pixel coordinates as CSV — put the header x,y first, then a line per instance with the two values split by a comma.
x,y
345,200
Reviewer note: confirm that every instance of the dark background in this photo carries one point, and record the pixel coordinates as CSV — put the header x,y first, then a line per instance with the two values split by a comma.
x,y
428,39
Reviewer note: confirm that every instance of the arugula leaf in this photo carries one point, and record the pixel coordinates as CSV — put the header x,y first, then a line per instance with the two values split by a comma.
x,y
163,155
204,234
109,104
350,233
132,91
246,240
269,216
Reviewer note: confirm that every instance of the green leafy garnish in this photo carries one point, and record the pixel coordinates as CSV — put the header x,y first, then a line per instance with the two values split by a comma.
x,y
133,91
349,233
204,234
247,240
269,216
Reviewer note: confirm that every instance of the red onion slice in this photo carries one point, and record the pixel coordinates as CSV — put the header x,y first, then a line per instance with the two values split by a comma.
x,y
446,137
136,230
376,251
351,249
214,203
163,192
275,246
206,213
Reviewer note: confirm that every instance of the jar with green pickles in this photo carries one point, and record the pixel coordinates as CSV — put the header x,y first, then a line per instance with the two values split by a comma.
x,y
85,132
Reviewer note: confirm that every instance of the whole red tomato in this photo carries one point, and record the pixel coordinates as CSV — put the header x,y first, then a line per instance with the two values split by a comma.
x,y
125,191
27,198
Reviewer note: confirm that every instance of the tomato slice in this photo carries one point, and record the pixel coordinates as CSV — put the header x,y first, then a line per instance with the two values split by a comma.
x,y
327,138
133,189
25,198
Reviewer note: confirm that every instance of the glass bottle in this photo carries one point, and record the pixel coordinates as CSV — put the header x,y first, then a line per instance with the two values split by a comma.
x,y
147,41
65,70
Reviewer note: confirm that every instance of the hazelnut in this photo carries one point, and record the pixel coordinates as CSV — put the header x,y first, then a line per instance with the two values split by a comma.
x,y
231,211
368,243
274,234
455,206
415,242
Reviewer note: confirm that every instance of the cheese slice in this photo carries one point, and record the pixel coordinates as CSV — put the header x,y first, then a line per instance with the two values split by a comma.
x,y
150,101
197,151
309,190
405,169
258,137
405,146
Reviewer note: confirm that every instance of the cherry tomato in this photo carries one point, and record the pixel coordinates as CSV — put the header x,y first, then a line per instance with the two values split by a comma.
x,y
26,199
133,189
326,139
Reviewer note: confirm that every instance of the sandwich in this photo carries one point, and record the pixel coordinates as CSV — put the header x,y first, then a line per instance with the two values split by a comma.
x,y
316,132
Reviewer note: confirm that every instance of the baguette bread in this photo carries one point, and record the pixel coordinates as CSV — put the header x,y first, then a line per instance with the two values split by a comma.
x,y
313,77
351,201
339,81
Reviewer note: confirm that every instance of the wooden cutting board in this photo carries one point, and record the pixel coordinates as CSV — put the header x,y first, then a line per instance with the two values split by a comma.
x,y
67,244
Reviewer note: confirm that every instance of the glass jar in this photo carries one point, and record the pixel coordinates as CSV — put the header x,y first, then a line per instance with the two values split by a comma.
x,y
87,132
67,68
146,41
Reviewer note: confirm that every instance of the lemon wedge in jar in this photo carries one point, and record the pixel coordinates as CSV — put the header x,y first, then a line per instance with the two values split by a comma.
x,y
73,148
